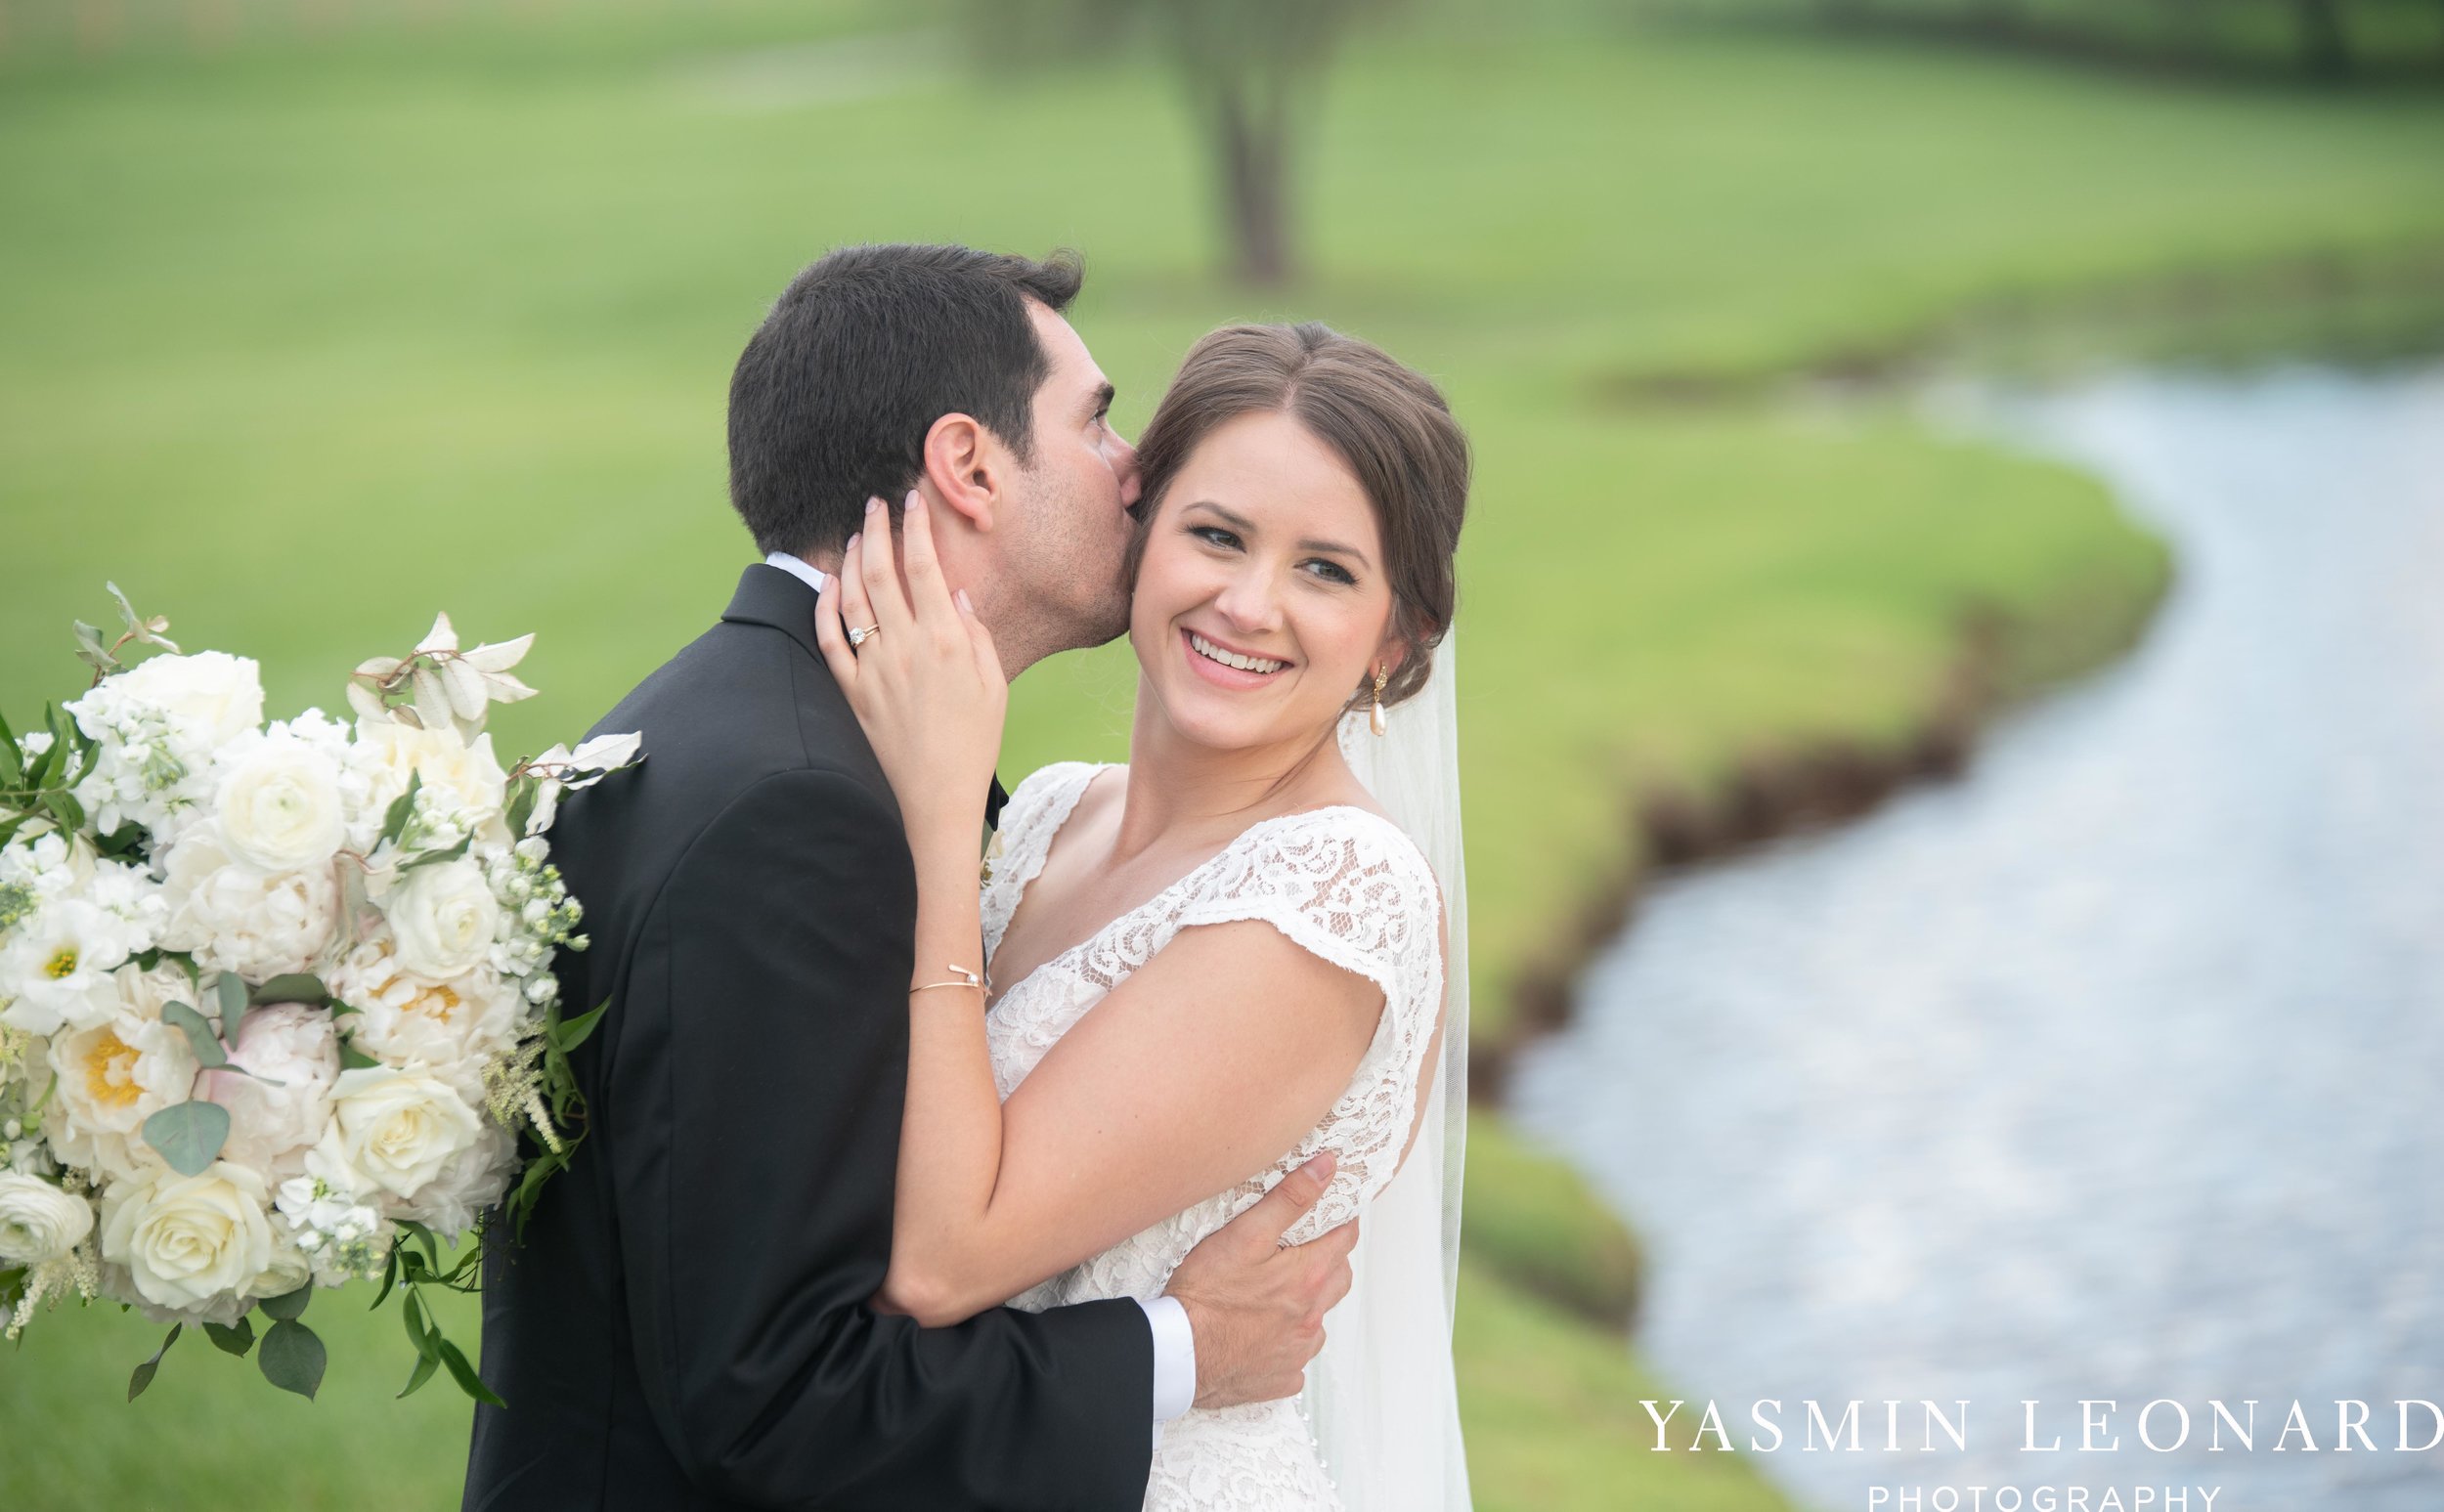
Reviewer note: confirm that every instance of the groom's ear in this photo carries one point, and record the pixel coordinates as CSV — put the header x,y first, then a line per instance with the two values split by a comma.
x,y
966,468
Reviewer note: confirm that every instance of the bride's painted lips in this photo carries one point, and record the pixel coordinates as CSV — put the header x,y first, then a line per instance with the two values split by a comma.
x,y
1221,673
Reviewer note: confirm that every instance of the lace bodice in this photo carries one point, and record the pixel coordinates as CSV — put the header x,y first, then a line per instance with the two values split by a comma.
x,y
1343,882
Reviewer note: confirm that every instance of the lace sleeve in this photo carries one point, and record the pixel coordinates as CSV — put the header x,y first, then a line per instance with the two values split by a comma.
x,y
1351,889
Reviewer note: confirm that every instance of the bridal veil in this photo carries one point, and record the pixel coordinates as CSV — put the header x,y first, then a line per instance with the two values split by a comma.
x,y
1382,1393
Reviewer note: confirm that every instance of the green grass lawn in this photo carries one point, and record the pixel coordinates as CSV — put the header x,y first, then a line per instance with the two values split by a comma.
x,y
303,345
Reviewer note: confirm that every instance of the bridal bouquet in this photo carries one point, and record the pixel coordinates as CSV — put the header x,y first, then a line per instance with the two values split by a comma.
x,y
276,1000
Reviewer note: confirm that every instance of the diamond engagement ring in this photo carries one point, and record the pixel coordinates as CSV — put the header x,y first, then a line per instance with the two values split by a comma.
x,y
857,635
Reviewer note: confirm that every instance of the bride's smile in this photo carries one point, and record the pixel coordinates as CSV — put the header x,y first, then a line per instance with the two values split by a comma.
x,y
1259,609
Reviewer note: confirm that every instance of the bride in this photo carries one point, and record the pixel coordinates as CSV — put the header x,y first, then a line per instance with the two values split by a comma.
x,y
1203,968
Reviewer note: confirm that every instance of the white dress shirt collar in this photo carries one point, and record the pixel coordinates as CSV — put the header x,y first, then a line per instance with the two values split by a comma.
x,y
812,576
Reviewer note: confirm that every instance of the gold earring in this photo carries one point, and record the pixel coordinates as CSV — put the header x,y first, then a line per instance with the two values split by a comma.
x,y
1375,720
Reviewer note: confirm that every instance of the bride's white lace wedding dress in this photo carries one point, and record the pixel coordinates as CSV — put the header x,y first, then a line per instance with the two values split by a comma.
x,y
1343,882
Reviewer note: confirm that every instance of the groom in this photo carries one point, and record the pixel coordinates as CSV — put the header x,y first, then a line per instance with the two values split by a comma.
x,y
688,1322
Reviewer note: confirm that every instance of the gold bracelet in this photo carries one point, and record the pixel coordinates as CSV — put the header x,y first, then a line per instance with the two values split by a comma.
x,y
967,978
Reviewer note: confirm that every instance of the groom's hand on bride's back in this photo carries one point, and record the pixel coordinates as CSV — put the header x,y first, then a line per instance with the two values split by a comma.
x,y
1258,1308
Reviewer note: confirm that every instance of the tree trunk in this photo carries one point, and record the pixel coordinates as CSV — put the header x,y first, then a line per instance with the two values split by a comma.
x,y
2324,44
1250,129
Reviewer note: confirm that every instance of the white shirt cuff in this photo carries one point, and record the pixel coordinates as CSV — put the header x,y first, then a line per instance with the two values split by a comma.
x,y
1175,1359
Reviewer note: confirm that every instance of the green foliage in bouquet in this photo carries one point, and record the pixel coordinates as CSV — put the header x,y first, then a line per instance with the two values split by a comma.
x,y
276,1007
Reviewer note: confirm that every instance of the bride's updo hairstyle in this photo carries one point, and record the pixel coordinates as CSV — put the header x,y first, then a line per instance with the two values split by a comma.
x,y
1388,424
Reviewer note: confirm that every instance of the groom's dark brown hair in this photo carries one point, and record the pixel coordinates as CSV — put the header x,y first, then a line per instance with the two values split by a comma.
x,y
863,353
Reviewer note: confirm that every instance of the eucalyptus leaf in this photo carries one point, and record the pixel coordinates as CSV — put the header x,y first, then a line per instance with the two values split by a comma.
x,y
209,1052
293,987
292,1359
288,1306
234,1339
143,1374
189,1134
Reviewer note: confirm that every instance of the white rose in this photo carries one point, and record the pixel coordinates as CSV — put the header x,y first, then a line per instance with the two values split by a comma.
x,y
187,1242
288,1268
391,1131
109,1079
442,919
212,697
279,808
55,968
449,1203
453,1027
276,1114
461,778
38,1221
234,918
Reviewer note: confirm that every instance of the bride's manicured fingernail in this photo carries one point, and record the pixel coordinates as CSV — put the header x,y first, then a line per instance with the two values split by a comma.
x,y
916,499
872,504
853,544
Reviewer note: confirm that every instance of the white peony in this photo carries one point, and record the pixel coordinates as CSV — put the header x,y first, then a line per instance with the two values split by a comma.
x,y
276,1114
188,1242
38,1221
234,918
442,919
109,1079
453,1027
56,967
391,1133
278,805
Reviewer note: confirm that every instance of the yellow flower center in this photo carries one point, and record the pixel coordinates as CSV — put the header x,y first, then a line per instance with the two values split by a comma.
x,y
62,965
441,1003
110,1072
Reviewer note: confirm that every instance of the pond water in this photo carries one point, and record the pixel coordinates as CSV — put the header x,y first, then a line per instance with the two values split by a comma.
x,y
2112,1070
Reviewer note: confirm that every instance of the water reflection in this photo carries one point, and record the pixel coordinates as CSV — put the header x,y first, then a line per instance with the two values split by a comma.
x,y
2116,1070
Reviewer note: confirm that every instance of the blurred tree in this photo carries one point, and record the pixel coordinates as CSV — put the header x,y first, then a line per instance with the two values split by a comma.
x,y
2324,44
1253,71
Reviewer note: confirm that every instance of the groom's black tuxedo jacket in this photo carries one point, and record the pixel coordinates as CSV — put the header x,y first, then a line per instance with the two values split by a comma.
x,y
686,1323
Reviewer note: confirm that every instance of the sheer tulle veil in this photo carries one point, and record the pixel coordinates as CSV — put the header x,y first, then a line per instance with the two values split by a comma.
x,y
1383,1394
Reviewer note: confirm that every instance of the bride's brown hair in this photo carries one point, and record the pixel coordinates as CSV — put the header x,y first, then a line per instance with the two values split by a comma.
x,y
1388,423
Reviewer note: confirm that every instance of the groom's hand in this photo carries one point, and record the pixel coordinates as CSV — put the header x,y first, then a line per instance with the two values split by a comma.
x,y
1258,1308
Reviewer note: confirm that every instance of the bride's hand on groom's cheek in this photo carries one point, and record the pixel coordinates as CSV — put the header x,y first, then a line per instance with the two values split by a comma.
x,y
922,676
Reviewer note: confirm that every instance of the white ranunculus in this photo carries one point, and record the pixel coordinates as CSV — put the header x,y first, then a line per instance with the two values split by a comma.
x,y
187,1242
451,1202
462,779
234,918
110,1079
391,1133
443,919
453,1027
56,966
38,1221
143,994
278,805
276,1114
